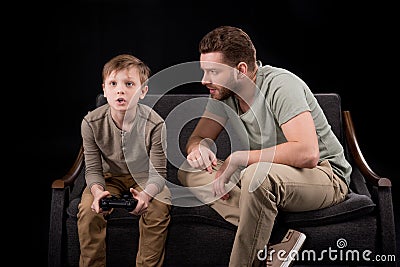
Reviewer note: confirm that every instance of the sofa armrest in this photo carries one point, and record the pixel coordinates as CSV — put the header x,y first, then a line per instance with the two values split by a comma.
x,y
69,178
382,190
60,192
355,151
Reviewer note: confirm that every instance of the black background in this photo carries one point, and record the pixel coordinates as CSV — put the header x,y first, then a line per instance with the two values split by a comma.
x,y
346,47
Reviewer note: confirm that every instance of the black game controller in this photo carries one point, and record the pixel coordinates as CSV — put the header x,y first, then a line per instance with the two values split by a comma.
x,y
127,202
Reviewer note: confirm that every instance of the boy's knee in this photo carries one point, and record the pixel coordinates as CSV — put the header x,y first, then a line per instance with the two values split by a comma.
x,y
158,211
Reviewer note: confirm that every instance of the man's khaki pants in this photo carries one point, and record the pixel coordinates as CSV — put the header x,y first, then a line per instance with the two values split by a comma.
x,y
153,227
262,190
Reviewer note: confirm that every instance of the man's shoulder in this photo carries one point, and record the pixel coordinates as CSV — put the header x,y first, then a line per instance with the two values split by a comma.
x,y
271,72
273,78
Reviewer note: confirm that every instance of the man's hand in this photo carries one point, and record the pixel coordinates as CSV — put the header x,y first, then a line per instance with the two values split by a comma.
x,y
202,158
225,172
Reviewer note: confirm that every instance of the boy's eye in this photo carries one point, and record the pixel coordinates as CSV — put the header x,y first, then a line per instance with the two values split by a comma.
x,y
113,83
129,84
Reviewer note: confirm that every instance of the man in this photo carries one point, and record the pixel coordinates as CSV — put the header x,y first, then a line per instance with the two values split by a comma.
x,y
291,159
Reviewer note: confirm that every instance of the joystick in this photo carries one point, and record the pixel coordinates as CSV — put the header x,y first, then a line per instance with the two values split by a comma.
x,y
127,202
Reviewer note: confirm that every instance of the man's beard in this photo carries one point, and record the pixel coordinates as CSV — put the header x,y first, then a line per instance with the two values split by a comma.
x,y
228,90
224,94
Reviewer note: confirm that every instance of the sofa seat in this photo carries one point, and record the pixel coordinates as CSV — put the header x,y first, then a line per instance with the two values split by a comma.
x,y
354,206
191,224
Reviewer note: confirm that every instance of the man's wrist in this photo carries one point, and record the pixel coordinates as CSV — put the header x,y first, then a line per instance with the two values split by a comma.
x,y
193,147
240,158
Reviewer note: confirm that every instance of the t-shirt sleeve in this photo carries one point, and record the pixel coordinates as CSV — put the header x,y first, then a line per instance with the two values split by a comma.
x,y
288,98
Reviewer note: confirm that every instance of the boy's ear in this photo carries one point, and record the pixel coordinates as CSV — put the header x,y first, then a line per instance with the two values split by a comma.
x,y
104,90
144,91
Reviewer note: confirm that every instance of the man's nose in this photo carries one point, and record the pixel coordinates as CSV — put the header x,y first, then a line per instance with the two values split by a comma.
x,y
205,79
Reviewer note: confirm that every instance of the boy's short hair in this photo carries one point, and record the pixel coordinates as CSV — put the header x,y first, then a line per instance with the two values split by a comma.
x,y
126,61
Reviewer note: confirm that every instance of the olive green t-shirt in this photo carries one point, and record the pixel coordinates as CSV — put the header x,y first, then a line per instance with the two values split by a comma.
x,y
280,96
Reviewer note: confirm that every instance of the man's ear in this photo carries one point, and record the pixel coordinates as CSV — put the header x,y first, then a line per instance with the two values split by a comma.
x,y
242,68
143,91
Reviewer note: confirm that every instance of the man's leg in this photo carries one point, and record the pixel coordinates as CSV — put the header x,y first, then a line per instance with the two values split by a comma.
x,y
281,187
200,184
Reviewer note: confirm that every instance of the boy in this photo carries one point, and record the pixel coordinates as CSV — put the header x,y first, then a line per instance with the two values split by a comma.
x,y
124,144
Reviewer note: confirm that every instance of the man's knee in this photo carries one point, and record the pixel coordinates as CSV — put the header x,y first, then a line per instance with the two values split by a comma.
x,y
257,174
194,178
182,175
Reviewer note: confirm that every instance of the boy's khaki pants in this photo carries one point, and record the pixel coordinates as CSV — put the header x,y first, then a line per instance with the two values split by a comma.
x,y
153,226
281,187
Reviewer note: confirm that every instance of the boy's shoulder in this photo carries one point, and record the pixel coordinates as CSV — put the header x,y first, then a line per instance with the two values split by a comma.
x,y
149,114
97,113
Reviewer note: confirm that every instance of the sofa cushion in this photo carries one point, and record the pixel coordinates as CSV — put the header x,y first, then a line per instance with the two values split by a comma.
x,y
354,206
202,214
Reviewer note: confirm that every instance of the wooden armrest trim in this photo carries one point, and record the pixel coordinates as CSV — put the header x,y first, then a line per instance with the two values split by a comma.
x,y
359,159
73,172
58,184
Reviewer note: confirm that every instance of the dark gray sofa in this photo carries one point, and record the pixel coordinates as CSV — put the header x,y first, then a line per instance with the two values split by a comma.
x,y
198,236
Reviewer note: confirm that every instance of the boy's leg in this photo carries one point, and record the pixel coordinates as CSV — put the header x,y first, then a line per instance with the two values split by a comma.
x,y
281,187
153,229
200,184
92,233
92,226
